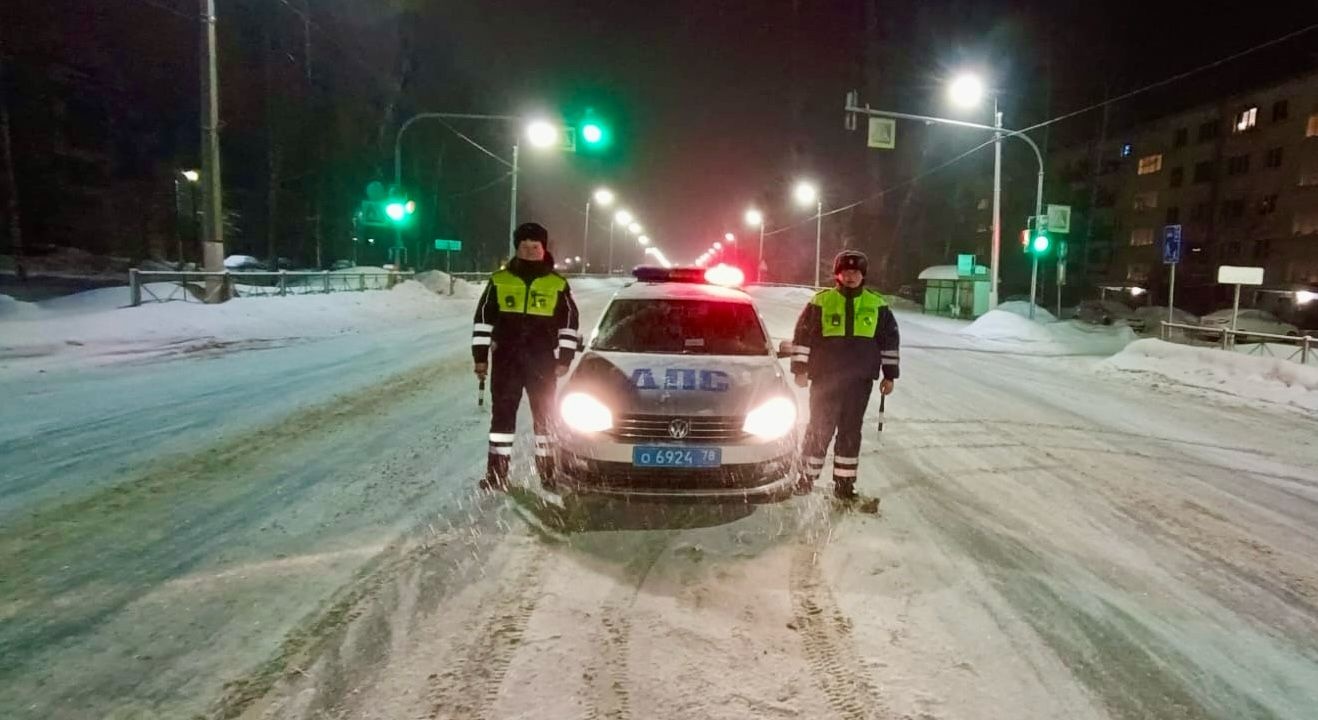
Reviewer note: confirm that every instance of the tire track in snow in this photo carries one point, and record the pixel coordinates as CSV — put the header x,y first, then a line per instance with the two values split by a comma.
x,y
609,679
826,634
469,687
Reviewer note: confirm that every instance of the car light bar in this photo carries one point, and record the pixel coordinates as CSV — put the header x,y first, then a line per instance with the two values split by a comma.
x,y
650,273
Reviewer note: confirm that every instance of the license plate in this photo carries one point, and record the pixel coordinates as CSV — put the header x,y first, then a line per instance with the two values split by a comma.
x,y
661,457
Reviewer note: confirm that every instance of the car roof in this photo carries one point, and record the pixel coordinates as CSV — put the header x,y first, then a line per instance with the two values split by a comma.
x,y
682,291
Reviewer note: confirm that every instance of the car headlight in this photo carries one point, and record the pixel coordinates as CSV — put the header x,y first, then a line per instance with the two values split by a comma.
x,y
771,420
584,413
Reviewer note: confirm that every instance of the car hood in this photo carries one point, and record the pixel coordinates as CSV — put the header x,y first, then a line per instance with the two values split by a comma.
x,y
678,384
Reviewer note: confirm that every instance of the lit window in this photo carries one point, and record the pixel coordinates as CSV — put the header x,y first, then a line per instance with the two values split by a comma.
x,y
1150,164
1140,237
1127,150
1246,119
1312,129
1146,200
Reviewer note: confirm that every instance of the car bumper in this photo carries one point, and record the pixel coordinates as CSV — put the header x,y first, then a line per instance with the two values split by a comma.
x,y
750,473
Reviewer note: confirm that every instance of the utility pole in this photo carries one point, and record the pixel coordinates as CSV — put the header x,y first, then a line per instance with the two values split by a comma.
x,y
212,203
12,210
512,203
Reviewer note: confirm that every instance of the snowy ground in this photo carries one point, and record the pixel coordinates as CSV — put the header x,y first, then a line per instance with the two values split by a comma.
x,y
289,532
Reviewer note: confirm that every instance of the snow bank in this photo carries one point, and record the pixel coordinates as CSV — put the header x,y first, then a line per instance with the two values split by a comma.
x,y
438,282
98,323
1005,331
1021,308
1260,378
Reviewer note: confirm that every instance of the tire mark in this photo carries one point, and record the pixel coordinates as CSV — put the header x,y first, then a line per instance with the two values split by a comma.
x,y
470,686
609,679
826,633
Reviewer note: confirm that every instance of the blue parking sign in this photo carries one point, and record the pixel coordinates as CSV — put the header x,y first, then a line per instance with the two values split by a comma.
x,y
1171,244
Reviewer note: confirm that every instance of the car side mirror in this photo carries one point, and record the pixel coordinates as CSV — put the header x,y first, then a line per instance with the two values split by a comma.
x,y
785,349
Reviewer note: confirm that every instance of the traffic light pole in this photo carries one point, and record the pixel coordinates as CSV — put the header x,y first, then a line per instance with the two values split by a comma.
x,y
998,131
512,203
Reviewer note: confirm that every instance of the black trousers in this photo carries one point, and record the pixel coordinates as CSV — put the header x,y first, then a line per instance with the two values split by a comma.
x,y
512,374
835,407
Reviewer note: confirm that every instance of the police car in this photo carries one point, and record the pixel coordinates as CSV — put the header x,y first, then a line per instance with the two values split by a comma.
x,y
679,395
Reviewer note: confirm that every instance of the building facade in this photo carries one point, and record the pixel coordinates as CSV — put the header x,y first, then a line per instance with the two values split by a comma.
x,y
1240,176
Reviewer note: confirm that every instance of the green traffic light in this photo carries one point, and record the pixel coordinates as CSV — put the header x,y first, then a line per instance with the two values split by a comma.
x,y
1041,244
396,211
592,133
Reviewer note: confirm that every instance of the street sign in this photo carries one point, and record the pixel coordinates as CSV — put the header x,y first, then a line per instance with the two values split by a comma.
x,y
1231,275
1059,219
965,265
1171,244
449,245
882,133
372,214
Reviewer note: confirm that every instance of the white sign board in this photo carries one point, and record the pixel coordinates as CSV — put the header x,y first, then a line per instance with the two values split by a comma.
x,y
883,133
1232,275
1059,218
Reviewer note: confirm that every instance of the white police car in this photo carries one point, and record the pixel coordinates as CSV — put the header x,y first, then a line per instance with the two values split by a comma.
x,y
679,395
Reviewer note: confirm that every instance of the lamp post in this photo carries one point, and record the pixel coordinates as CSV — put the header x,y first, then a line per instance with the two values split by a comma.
x,y
755,218
624,218
604,198
807,194
192,177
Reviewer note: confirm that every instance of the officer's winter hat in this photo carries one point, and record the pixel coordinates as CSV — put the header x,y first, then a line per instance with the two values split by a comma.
x,y
851,260
531,231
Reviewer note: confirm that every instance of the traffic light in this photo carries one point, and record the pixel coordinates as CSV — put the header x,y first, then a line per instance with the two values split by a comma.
x,y
400,211
593,134
1040,243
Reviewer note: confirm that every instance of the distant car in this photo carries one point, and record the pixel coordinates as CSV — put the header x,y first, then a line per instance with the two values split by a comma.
x,y
1147,319
678,396
1249,320
1103,312
343,265
243,262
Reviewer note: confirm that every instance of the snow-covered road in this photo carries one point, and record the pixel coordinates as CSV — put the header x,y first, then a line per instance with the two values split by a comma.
x,y
1056,539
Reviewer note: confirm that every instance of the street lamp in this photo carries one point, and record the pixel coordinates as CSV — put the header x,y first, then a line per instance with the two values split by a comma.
x,y
634,228
807,194
755,218
966,91
193,177
644,239
542,133
604,198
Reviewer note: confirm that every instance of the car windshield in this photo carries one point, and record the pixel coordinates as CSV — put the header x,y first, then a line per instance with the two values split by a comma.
x,y
688,327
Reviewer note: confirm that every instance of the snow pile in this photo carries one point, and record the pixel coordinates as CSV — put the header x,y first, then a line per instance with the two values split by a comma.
x,y
438,282
1021,308
98,323
1260,378
1006,331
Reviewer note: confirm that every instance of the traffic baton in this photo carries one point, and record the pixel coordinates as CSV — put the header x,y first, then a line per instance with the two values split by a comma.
x,y
883,401
480,394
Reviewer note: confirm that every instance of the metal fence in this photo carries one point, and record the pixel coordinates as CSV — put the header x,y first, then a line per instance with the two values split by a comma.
x,y
186,286
1295,348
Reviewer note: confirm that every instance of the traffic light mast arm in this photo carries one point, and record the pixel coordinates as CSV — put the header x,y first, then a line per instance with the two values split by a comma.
x,y
398,138
1038,193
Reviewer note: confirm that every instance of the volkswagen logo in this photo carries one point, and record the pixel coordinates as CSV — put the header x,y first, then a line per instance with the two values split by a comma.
x,y
679,428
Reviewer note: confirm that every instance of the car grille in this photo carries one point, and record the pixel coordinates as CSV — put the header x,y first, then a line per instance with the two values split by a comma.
x,y
702,428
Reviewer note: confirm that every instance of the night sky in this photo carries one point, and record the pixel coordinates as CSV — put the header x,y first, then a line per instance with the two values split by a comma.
x,y
705,90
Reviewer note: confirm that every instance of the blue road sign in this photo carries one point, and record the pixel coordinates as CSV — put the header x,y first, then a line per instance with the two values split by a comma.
x,y
1171,244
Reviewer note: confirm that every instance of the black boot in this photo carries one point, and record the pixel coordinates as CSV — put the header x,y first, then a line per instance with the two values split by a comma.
x,y
496,473
544,467
804,485
844,489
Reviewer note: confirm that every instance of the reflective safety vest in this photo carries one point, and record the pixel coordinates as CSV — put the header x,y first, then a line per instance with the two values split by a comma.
x,y
540,298
833,313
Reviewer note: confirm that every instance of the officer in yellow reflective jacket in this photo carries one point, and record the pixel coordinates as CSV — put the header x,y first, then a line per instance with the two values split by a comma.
x,y
526,326
845,339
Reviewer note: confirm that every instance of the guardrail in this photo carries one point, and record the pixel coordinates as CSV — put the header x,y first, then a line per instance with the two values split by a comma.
x,y
1226,339
189,286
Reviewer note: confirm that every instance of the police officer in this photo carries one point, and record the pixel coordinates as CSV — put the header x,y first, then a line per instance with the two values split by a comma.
x,y
528,317
846,338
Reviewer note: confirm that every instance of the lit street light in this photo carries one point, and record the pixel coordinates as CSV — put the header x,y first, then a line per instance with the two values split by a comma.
x,y
755,218
604,197
542,133
644,239
807,194
730,237
191,175
966,90
718,246
635,228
